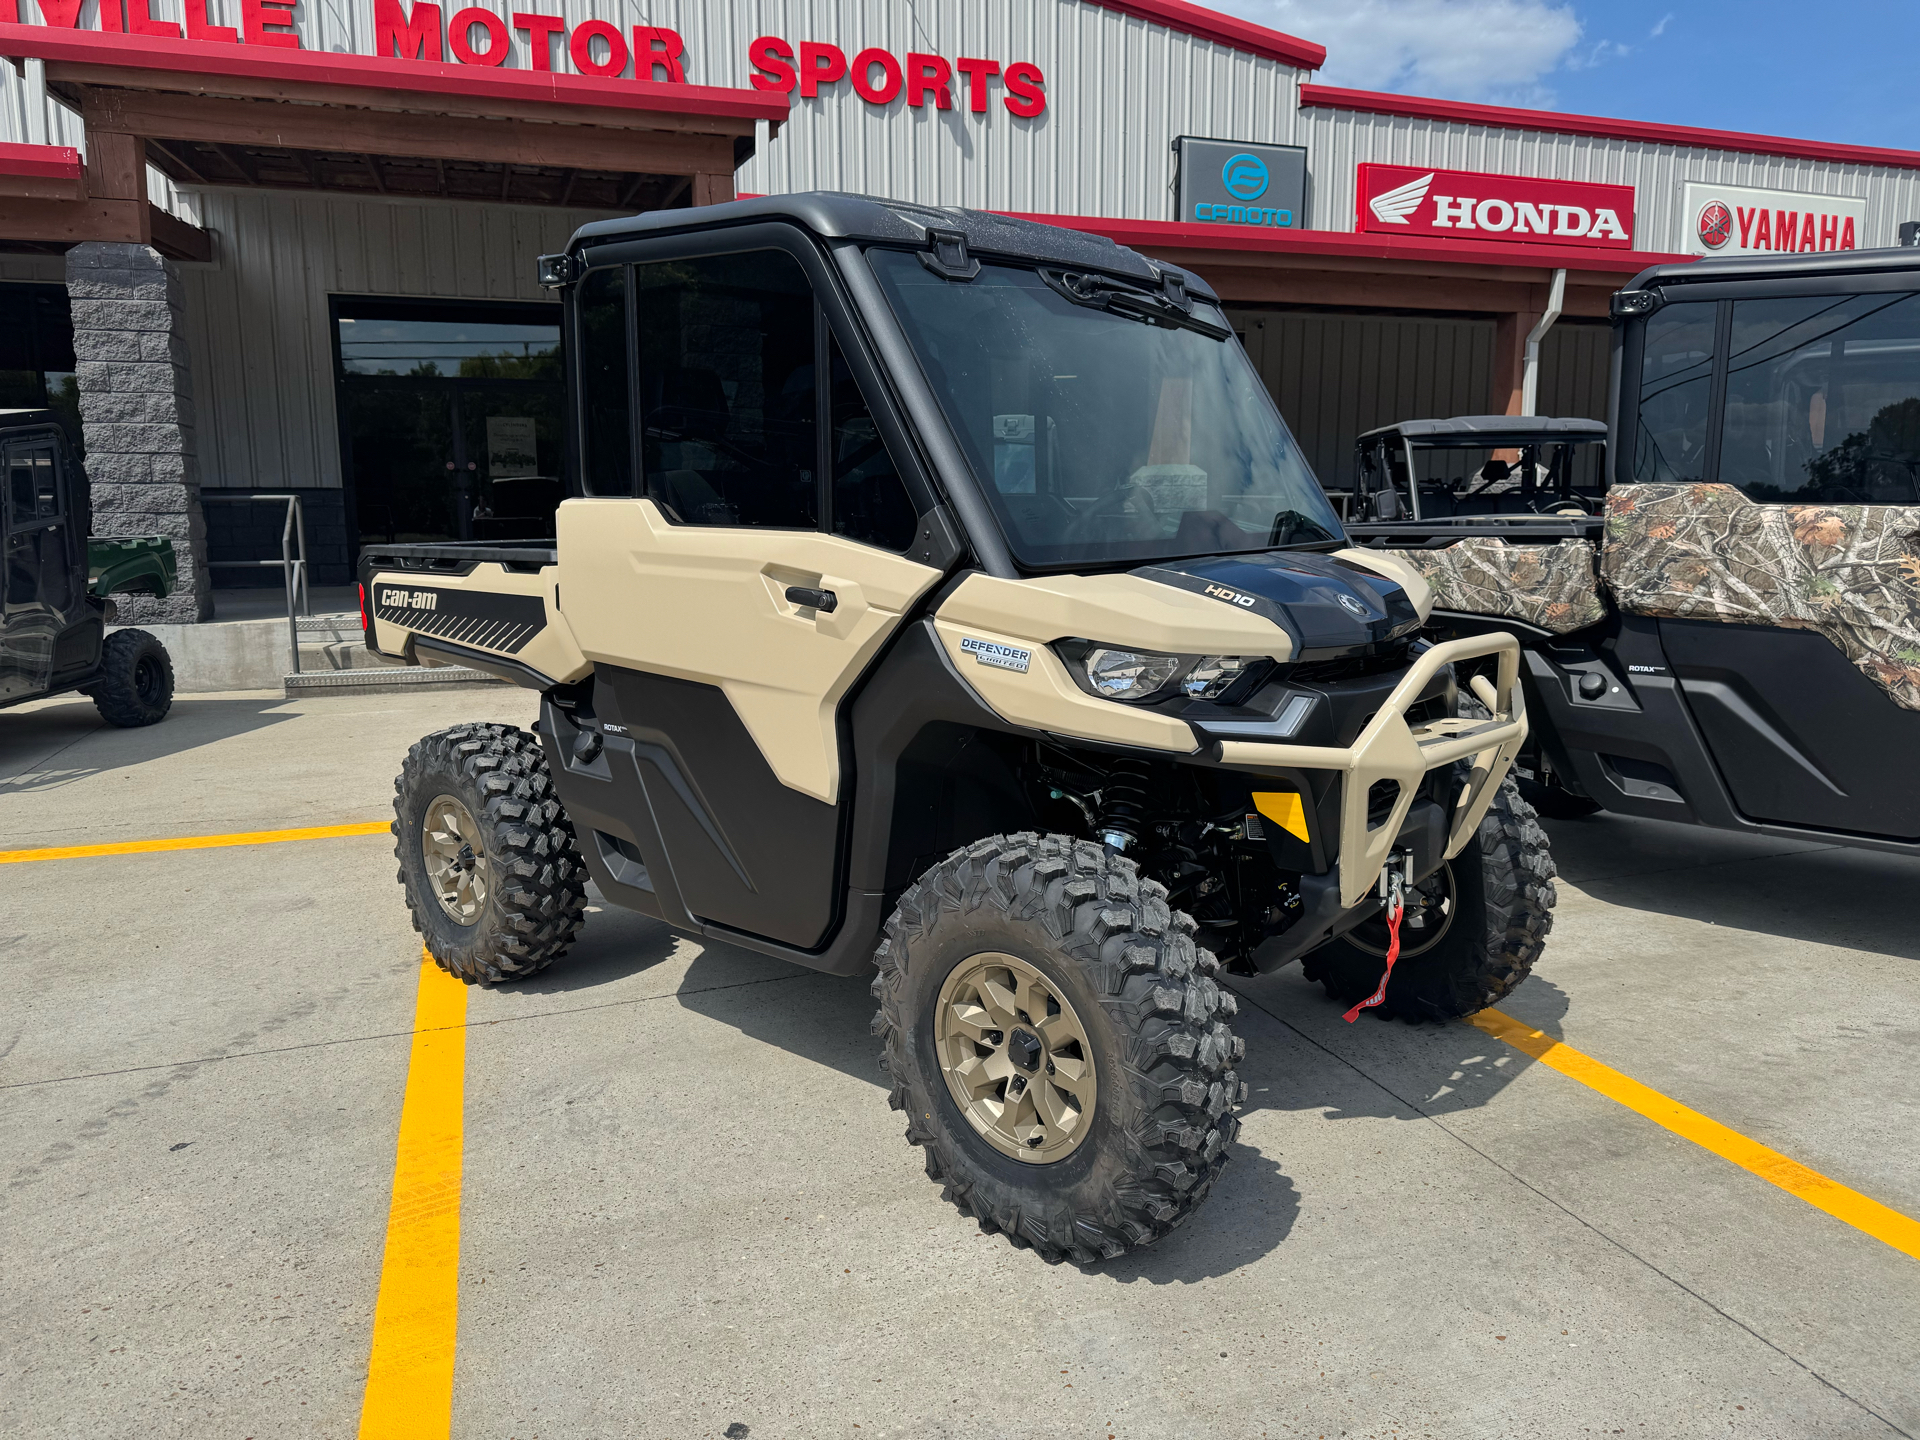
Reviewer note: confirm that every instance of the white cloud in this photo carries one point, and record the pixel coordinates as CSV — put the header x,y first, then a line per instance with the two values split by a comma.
x,y
1499,51
1660,26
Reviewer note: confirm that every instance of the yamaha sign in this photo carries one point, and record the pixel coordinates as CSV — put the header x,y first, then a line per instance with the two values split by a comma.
x,y
1230,182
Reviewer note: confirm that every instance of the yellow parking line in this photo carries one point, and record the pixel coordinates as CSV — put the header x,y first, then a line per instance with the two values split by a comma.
x,y
1879,1221
410,1374
197,843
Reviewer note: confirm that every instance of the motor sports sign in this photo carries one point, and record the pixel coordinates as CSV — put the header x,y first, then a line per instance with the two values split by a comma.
x,y
1737,220
1467,205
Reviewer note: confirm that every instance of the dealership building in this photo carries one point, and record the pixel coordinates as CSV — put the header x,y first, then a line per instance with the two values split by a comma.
x,y
268,246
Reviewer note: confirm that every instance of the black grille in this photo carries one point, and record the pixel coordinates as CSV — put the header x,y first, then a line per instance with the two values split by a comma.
x,y
1348,667
1381,797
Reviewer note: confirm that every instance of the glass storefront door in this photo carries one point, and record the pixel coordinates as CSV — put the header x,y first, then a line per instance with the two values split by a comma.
x,y
450,418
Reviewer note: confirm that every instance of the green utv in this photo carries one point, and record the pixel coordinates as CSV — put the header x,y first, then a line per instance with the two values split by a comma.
x,y
53,629
948,600
1718,610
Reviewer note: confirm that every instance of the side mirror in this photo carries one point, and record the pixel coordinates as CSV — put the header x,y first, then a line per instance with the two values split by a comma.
x,y
1387,505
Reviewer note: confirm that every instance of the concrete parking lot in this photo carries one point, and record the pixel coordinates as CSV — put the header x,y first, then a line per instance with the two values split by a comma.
x,y
684,1205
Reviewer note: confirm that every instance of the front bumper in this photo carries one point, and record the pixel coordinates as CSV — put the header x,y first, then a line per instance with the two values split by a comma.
x,y
1391,749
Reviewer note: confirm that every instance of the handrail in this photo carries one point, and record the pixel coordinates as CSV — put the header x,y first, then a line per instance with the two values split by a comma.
x,y
293,561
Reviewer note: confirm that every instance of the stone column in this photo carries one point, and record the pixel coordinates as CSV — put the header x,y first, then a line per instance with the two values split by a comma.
x,y
136,408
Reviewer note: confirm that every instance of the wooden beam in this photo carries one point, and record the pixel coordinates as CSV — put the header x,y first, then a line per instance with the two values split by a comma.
x,y
68,222
1241,284
714,187
176,239
41,187
172,162
66,74
430,137
116,163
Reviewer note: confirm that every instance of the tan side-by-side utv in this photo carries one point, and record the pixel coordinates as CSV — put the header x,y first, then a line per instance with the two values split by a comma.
x,y
946,598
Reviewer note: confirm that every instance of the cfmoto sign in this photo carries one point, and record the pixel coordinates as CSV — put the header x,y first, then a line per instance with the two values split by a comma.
x,y
1230,182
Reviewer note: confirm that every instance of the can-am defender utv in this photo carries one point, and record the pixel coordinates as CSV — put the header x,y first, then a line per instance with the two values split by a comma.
x,y
948,598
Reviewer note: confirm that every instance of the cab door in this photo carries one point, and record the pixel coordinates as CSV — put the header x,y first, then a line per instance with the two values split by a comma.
x,y
39,578
751,572
1771,528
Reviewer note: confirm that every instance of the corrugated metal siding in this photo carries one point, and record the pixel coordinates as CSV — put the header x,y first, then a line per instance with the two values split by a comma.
x,y
257,318
1340,140
1335,376
1574,370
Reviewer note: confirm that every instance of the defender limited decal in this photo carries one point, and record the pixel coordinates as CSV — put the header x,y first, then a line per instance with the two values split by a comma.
x,y
483,620
987,652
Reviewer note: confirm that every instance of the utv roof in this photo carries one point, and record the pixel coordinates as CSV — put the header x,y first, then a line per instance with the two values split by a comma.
x,y
14,419
1488,430
1769,267
836,215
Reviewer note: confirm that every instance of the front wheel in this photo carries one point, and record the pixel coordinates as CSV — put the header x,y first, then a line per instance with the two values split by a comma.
x,y
1470,933
1059,1044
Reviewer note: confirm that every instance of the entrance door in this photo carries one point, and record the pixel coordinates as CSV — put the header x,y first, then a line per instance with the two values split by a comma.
x,y
450,418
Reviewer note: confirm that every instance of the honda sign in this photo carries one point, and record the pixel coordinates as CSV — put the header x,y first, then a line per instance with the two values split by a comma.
x,y
1466,205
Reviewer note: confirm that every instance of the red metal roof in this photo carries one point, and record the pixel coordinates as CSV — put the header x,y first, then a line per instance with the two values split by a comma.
x,y
1176,235
1601,126
474,83
1226,30
51,162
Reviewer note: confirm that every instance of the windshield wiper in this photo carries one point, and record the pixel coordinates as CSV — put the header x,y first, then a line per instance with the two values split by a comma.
x,y
1097,292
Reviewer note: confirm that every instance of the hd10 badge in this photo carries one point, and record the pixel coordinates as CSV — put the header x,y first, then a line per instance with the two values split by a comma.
x,y
1230,182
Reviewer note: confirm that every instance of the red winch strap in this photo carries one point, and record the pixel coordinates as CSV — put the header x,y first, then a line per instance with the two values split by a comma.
x,y
1393,953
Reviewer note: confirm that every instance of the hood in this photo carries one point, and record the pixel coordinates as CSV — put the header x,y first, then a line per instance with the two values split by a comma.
x,y
1328,606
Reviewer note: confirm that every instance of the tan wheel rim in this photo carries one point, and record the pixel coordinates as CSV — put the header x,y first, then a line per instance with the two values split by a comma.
x,y
1016,1057
456,859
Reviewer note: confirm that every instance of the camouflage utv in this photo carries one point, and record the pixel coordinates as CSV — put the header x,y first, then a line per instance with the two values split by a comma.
x,y
1717,612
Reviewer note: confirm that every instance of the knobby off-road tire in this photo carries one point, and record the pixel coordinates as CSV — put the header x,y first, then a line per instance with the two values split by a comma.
x,y
136,680
1501,893
515,885
1144,997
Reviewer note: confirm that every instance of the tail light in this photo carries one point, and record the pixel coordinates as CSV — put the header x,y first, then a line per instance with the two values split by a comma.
x,y
366,616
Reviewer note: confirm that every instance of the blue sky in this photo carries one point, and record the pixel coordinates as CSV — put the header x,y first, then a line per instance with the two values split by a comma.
x,y
1844,70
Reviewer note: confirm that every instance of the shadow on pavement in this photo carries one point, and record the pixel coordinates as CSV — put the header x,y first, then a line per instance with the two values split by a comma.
x,y
1797,890
1388,1069
55,744
613,945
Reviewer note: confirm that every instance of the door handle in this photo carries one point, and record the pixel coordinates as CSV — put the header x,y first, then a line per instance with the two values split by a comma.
x,y
823,601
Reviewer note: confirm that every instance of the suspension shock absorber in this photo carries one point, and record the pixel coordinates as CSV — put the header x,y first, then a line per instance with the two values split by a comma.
x,y
1123,805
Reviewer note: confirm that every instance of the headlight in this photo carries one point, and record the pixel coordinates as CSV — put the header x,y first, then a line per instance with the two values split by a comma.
x,y
1128,674
1213,674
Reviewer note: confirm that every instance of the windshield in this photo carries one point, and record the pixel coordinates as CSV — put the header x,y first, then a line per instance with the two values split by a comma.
x,y
1097,435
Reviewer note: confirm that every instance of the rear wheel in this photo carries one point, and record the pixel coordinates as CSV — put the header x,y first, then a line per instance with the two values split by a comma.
x,y
1470,934
487,857
1059,1045
136,680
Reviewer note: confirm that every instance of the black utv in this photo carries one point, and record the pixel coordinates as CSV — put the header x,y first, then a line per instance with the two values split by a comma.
x,y
947,599
53,631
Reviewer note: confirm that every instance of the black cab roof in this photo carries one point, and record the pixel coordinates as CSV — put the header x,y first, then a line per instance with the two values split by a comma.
x,y
837,215
20,419
1771,267
1491,430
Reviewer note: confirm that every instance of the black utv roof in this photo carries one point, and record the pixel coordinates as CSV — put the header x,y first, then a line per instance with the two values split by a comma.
x,y
18,419
836,215
1771,267
1491,430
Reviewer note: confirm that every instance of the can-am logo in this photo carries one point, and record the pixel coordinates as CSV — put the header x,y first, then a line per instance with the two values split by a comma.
x,y
1467,205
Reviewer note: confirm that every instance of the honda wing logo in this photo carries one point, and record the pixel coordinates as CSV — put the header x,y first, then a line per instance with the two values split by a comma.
x,y
1392,207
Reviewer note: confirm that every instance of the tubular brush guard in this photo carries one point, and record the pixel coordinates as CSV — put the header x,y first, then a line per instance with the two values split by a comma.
x,y
1391,749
